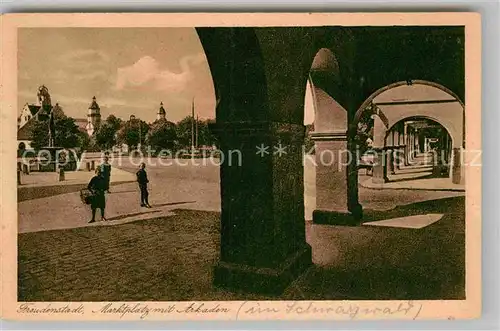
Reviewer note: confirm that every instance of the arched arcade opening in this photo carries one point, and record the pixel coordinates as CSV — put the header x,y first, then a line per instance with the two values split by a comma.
x,y
260,87
412,99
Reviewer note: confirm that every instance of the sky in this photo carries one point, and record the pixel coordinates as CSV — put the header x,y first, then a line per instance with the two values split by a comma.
x,y
128,70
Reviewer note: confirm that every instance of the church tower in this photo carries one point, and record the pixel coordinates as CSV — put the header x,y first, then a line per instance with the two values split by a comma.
x,y
93,117
161,115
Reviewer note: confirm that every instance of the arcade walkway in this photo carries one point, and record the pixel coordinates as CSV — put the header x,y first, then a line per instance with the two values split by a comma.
x,y
417,176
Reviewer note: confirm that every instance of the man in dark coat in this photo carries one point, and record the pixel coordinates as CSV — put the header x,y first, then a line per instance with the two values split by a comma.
x,y
106,172
142,179
97,186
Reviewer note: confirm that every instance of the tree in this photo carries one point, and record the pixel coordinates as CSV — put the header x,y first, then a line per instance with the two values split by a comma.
x,y
67,133
114,122
162,135
84,141
105,137
129,133
58,111
205,136
364,130
184,129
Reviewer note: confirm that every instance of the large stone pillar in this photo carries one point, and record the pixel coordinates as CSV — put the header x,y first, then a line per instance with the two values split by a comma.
x,y
336,199
263,246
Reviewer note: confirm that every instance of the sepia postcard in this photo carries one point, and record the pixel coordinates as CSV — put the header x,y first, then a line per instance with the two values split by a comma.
x,y
250,166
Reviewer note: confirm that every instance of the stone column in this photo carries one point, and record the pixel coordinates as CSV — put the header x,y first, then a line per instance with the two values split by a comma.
x,y
399,149
392,152
263,245
406,140
456,167
336,203
412,147
416,147
380,164
410,136
391,159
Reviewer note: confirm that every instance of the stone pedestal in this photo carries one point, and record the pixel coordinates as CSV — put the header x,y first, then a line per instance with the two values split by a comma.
x,y
51,154
61,175
263,246
336,192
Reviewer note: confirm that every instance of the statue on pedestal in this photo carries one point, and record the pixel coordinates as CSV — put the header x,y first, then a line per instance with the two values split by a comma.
x,y
46,108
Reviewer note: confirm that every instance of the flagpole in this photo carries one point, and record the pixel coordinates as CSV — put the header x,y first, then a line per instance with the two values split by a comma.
x,y
196,131
192,126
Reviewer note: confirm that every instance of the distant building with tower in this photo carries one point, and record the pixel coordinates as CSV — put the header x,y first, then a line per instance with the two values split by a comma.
x,y
31,113
93,117
162,114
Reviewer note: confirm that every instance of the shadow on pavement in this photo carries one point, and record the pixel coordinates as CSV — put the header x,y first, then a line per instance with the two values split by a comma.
x,y
172,203
30,193
408,179
120,217
383,263
453,205
127,191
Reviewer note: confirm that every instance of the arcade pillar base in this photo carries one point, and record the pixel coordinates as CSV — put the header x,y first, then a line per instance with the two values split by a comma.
x,y
264,280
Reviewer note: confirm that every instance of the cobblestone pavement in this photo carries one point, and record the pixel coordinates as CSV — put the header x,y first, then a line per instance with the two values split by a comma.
x,y
167,254
171,258
158,259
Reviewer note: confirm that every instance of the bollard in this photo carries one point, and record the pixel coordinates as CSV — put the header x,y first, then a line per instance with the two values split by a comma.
x,y
88,166
61,175
18,177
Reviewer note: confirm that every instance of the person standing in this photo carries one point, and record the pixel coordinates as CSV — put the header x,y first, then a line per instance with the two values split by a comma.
x,y
142,179
106,172
97,187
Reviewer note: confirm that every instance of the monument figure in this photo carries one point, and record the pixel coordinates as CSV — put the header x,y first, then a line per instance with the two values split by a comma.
x,y
46,106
